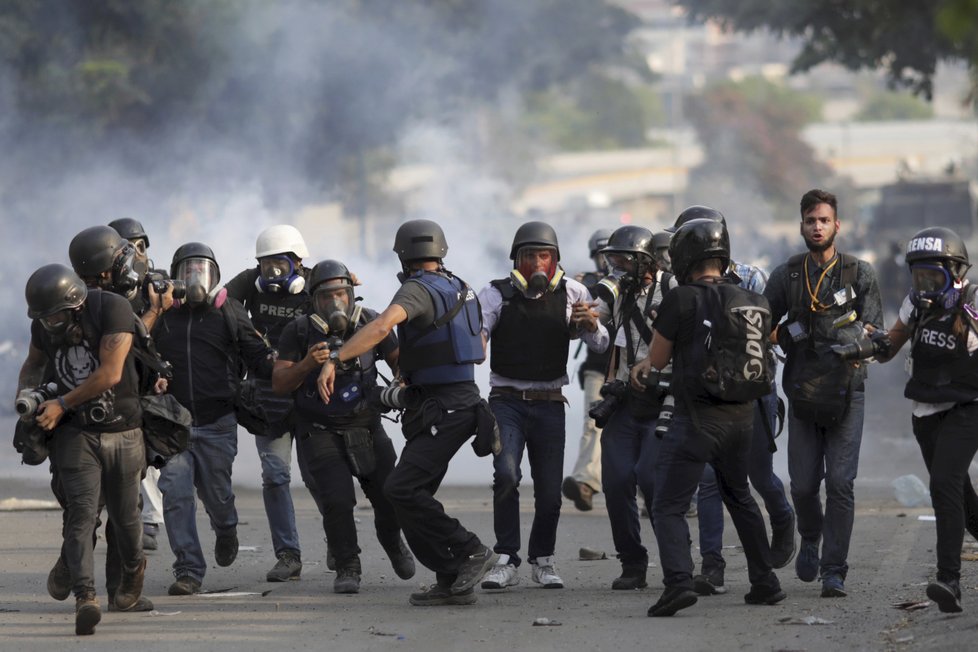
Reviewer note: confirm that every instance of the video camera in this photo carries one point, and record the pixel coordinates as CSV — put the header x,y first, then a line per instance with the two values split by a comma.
x,y
29,400
160,283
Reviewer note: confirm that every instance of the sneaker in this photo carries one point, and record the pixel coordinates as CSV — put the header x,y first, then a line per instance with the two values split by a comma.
x,y
87,614
288,567
672,600
765,595
347,580
402,561
783,543
150,530
502,575
709,583
578,492
142,604
633,576
185,585
473,569
226,548
130,588
947,595
545,573
833,586
59,580
806,565
438,596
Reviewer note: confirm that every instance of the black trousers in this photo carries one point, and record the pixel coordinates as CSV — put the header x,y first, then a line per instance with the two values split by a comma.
x,y
324,455
948,441
437,540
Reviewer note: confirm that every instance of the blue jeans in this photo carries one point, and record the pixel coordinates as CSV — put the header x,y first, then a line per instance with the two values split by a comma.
x,y
538,427
276,464
206,466
816,453
628,453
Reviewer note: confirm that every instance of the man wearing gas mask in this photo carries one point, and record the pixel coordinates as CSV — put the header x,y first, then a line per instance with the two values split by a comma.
x,y
585,480
439,330
207,339
97,446
344,438
825,297
939,317
632,293
528,320
274,293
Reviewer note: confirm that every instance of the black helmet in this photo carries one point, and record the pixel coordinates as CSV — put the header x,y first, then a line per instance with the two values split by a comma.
x,y
630,239
937,243
53,288
598,241
130,229
698,240
697,213
420,240
194,264
95,250
534,234
326,270
660,247
190,250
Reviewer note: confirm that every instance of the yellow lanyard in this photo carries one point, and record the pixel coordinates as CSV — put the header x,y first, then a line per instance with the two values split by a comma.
x,y
816,305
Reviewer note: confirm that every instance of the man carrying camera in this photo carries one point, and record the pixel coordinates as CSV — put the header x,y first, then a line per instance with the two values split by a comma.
x,y
440,335
825,297
344,438
83,338
529,320
628,441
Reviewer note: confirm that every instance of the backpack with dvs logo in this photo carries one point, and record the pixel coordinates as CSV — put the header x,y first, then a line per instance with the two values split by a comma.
x,y
733,324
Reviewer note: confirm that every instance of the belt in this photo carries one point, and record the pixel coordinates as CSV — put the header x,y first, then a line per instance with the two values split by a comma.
x,y
529,394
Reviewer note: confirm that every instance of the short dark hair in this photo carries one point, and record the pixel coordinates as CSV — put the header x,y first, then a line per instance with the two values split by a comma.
x,y
814,197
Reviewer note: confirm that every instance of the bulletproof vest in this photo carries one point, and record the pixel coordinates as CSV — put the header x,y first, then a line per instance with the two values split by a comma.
x,y
446,350
270,312
531,339
595,361
350,386
943,370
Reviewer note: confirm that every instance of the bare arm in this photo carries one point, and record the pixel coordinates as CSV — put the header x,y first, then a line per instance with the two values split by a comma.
x,y
287,376
32,371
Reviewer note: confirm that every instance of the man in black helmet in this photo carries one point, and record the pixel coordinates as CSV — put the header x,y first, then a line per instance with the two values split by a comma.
x,y
585,480
529,320
825,298
342,439
440,334
715,334
81,339
207,339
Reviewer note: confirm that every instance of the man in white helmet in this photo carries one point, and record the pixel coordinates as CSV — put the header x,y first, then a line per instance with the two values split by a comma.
x,y
274,293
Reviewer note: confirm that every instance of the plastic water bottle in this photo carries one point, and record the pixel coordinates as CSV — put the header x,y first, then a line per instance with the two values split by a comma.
x,y
910,491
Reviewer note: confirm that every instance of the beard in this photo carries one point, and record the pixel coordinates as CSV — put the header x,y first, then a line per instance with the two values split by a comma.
x,y
819,247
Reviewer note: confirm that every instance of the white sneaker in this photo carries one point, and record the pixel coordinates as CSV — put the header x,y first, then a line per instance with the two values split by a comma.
x,y
545,573
502,575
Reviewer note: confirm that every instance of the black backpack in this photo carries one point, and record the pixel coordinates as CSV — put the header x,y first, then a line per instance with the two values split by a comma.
x,y
731,336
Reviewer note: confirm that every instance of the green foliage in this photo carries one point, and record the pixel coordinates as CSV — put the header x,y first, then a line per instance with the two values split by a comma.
x,y
887,105
907,38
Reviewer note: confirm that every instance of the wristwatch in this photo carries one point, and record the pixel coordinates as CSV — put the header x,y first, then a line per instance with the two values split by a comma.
x,y
334,357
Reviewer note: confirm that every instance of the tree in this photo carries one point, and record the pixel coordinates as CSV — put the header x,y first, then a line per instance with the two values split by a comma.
x,y
887,105
906,38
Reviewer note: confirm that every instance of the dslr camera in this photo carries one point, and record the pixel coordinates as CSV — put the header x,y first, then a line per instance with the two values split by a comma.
x,y
394,397
29,400
160,284
612,393
877,343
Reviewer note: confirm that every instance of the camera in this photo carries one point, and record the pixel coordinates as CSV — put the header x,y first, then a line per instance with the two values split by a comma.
x,y
160,284
877,344
29,400
665,415
394,397
612,394
96,411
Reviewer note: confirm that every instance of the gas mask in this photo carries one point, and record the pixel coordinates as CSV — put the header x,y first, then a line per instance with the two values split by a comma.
x,y
334,303
201,276
932,286
279,274
63,327
125,279
530,280
141,263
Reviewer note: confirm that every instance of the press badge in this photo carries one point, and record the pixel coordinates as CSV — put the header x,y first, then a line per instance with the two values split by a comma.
x,y
844,296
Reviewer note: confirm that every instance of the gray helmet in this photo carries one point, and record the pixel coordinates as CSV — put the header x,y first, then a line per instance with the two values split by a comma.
x,y
326,270
53,288
420,240
130,229
697,213
534,234
940,245
598,241
95,250
698,240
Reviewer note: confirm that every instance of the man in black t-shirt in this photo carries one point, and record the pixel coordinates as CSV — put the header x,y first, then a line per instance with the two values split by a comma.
x,y
439,328
81,340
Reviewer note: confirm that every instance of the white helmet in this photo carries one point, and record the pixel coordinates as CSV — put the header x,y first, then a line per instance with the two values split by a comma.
x,y
280,239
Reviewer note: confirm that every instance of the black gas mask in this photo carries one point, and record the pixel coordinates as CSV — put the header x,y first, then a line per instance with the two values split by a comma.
x,y
125,279
64,326
334,303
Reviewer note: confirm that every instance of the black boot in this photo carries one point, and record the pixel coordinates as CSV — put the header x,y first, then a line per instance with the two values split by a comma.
x,y
632,577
